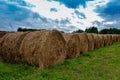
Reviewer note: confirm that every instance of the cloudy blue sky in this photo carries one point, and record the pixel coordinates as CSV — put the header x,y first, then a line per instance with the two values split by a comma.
x,y
64,15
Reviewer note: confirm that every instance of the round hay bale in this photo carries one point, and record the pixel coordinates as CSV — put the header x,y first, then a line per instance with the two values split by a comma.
x,y
96,41
101,40
106,40
2,34
90,42
83,42
110,39
113,38
43,48
118,37
9,46
72,43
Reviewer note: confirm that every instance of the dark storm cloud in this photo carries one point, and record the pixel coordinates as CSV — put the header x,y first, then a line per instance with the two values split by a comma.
x,y
73,3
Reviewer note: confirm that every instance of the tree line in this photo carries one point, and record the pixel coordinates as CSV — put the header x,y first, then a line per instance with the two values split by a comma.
x,y
103,31
88,30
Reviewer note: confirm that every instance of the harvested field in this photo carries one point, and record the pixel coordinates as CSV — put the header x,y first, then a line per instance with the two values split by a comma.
x,y
43,48
72,43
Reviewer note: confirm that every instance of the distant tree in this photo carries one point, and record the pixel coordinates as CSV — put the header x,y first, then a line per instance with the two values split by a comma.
x,y
92,30
25,29
19,29
62,31
110,31
104,31
78,31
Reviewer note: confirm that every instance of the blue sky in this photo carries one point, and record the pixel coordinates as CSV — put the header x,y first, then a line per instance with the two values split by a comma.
x,y
64,15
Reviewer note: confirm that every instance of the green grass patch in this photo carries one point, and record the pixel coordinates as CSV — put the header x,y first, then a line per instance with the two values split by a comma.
x,y
100,64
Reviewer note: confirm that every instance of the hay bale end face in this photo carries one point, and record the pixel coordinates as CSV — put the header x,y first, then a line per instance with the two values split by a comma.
x,y
83,42
72,43
90,42
43,48
9,47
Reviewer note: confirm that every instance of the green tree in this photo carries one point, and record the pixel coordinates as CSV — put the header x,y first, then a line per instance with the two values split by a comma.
x,y
104,31
78,31
92,30
25,29
110,31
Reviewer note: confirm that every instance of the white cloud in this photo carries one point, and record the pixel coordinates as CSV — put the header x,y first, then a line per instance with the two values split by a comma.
x,y
43,8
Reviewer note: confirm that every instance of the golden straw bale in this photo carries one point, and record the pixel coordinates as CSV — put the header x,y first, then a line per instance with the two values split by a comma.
x,y
2,34
43,48
101,40
96,41
110,39
106,40
83,42
72,43
9,46
90,41
118,36
113,38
